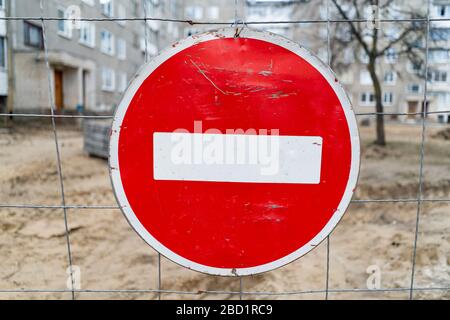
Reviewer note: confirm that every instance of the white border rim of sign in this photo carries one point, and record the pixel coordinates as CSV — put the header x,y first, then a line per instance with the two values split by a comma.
x,y
154,63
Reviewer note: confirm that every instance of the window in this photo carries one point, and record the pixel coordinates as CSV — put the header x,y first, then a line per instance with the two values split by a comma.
x,y
194,12
344,34
414,67
107,7
173,8
438,56
442,98
3,53
107,42
64,26
438,34
363,57
151,48
367,98
443,11
388,98
213,12
122,82
121,49
154,25
172,29
33,35
349,56
347,77
437,76
390,77
323,12
323,33
323,54
151,4
135,8
121,13
147,7
136,41
392,33
364,77
87,33
108,79
390,56
414,88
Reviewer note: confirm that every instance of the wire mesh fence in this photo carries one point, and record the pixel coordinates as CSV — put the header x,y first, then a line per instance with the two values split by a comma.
x,y
242,292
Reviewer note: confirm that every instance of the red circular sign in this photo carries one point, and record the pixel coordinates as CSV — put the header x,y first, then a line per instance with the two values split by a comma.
x,y
225,219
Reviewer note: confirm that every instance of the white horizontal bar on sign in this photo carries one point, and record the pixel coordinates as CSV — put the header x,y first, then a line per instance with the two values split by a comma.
x,y
237,158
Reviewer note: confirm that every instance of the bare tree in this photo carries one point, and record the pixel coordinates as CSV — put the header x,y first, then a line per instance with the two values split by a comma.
x,y
363,31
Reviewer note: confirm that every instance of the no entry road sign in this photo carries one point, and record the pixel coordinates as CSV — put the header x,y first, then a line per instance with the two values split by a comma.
x,y
234,155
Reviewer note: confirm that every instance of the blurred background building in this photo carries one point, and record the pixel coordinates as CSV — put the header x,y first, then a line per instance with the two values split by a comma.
x,y
401,81
92,62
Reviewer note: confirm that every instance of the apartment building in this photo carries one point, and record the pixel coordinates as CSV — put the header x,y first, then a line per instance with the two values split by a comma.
x,y
91,61
402,82
402,88
439,60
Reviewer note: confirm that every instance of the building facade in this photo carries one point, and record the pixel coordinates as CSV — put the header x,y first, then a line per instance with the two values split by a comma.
x,y
439,60
402,82
91,61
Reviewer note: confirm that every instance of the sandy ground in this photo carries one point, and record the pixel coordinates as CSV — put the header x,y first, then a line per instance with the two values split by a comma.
x,y
110,255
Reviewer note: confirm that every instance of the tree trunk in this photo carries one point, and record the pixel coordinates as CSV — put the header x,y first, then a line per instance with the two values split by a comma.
x,y
380,138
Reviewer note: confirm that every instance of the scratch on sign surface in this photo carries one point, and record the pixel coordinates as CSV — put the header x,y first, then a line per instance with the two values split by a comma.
x,y
207,78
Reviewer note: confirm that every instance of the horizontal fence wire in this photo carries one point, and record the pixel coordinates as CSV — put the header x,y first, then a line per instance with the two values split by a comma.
x,y
102,207
421,155
199,292
195,22
38,115
77,116
64,206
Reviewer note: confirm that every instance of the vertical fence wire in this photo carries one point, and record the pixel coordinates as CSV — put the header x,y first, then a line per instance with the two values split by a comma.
x,y
159,276
146,59
241,287
327,274
58,153
422,155
236,11
236,20
144,4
